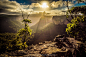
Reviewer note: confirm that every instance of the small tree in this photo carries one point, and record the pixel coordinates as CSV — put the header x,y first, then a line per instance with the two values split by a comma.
x,y
25,32
77,26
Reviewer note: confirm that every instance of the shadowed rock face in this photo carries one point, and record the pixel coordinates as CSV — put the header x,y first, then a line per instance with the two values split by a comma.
x,y
60,20
9,23
49,32
48,27
12,23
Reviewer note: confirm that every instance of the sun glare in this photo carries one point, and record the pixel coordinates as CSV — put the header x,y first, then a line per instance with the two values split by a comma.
x,y
44,5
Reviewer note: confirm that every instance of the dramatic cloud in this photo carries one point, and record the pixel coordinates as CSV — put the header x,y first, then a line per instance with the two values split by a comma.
x,y
25,6
41,0
13,7
76,1
34,5
9,5
56,7
55,4
60,4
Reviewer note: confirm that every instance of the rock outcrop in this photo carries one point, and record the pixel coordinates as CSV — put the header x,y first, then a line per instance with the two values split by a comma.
x,y
59,47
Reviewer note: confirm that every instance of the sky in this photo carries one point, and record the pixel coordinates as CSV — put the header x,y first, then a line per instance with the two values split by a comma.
x,y
14,7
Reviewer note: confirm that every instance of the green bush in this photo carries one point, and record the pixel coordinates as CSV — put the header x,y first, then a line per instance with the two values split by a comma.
x,y
10,42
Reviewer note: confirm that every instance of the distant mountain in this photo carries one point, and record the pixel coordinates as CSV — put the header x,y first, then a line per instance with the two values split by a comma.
x,y
10,23
48,27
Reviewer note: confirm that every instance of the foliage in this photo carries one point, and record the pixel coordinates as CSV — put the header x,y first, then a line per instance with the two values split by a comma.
x,y
78,9
25,33
77,26
26,20
13,41
9,42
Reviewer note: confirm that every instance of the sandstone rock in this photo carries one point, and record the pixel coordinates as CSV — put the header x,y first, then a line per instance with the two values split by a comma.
x,y
30,47
48,42
43,52
38,49
66,45
31,52
40,43
43,46
22,52
59,36
63,48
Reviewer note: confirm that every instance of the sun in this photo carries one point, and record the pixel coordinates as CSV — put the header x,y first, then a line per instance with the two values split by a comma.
x,y
44,5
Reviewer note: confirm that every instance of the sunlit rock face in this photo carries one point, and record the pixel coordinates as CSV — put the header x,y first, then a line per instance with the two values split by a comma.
x,y
34,19
42,23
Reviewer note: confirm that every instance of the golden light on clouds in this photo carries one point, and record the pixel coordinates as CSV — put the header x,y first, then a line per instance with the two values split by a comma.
x,y
44,5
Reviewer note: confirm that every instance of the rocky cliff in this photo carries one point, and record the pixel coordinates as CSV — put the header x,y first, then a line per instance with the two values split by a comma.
x,y
60,46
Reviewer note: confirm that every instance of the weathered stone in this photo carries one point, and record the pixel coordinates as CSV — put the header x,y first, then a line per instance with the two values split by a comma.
x,y
38,49
59,36
31,52
63,48
59,47
66,44
22,52
40,43
30,47
18,53
43,52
